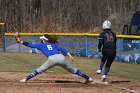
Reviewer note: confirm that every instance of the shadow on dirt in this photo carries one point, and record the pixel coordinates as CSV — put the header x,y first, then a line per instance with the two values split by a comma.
x,y
54,81
121,81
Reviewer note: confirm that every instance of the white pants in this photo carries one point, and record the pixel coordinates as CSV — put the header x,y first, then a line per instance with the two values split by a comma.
x,y
56,60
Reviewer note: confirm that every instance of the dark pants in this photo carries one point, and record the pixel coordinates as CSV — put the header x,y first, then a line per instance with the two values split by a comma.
x,y
108,56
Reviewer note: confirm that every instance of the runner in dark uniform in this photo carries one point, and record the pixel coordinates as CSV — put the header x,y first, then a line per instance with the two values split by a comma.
x,y
107,44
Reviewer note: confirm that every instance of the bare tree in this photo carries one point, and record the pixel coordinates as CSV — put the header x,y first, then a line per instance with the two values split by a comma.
x,y
65,15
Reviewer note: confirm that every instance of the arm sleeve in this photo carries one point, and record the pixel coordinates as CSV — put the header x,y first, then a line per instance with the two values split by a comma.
x,y
62,49
25,43
100,41
34,45
30,45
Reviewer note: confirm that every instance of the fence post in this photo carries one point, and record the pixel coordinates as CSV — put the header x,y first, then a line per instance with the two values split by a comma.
x,y
120,47
19,48
35,41
67,42
139,53
4,43
86,45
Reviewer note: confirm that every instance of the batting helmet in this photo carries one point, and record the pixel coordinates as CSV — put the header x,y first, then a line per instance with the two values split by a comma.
x,y
106,25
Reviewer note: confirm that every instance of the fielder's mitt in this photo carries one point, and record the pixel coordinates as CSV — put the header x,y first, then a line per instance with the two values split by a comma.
x,y
17,37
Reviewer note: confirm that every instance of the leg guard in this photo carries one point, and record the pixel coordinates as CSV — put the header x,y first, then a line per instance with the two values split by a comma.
x,y
79,73
34,73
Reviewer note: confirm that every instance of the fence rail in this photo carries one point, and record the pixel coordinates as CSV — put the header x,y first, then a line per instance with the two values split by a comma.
x,y
72,34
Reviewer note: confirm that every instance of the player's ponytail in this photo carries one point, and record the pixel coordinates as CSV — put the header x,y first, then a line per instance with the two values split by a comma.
x,y
51,39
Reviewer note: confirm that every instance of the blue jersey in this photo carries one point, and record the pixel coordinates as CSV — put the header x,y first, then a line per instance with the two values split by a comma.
x,y
48,49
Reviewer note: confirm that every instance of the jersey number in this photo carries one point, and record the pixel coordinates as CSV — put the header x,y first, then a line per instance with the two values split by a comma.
x,y
49,47
110,38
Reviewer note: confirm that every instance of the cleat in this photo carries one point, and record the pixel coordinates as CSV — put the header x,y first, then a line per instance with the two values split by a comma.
x,y
103,78
23,80
89,80
98,71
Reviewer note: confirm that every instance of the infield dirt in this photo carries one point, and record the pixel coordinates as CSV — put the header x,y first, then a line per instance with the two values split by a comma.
x,y
64,83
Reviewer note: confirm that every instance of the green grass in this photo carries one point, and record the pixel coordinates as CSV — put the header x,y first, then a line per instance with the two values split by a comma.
x,y
25,62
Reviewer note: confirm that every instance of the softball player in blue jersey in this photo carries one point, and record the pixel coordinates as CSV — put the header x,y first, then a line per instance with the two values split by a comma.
x,y
51,50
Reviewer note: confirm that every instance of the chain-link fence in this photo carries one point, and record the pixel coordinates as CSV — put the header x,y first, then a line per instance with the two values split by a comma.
x,y
128,50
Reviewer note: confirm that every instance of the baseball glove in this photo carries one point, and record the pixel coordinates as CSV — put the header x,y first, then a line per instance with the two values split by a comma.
x,y
17,37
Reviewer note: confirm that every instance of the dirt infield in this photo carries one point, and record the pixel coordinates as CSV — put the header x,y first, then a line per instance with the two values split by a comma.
x,y
64,83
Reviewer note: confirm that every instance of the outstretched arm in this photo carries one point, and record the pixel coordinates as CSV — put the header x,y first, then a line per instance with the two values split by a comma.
x,y
18,40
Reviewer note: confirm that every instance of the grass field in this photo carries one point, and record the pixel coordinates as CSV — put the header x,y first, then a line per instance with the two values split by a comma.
x,y
123,77
25,62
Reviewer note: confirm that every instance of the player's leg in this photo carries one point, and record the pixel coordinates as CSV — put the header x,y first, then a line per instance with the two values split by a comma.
x,y
103,60
76,71
47,65
108,65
